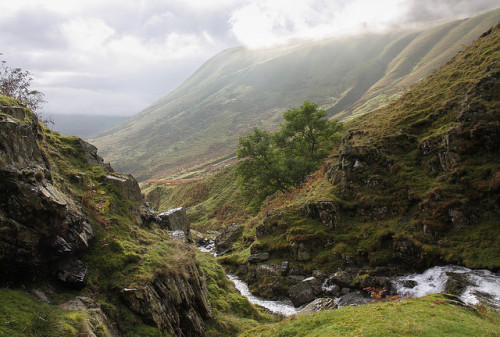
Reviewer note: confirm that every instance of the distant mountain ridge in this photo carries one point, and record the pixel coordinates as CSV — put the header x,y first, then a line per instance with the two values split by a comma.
x,y
240,89
83,126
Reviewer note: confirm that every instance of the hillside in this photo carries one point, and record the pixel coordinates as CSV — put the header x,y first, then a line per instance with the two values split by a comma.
x,y
413,185
81,254
238,89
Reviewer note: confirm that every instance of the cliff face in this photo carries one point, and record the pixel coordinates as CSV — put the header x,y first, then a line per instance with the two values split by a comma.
x,y
42,228
156,300
67,219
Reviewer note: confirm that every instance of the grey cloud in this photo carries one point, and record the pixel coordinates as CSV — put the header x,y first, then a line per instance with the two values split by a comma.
x,y
31,29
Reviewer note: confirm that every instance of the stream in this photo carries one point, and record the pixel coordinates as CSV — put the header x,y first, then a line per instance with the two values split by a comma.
x,y
284,308
473,286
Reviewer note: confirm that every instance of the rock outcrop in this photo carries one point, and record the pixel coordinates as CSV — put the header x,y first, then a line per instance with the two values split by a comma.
x,y
47,206
176,220
224,241
42,228
175,303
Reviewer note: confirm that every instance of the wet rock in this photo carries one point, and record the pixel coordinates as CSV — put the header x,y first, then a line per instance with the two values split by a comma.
x,y
224,241
315,285
176,220
301,293
456,283
410,284
341,278
259,257
199,238
178,235
319,304
331,290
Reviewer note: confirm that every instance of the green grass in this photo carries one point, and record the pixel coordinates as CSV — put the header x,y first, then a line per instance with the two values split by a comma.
x,y
23,315
210,203
432,315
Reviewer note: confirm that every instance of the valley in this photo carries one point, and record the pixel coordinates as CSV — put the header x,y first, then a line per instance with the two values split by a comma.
x,y
198,124
383,224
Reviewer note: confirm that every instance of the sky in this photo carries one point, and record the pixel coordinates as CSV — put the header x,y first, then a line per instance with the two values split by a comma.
x,y
116,57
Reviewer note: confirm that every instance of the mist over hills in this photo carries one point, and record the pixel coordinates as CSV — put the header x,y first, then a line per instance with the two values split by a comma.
x,y
240,89
82,126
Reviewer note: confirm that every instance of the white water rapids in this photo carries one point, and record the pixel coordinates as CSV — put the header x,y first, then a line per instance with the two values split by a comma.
x,y
481,286
478,286
284,308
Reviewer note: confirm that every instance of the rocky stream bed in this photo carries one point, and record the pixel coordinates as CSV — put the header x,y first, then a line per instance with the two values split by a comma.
x,y
472,287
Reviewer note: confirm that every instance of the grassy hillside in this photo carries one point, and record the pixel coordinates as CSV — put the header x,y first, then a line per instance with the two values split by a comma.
x,y
239,89
413,184
433,315
128,251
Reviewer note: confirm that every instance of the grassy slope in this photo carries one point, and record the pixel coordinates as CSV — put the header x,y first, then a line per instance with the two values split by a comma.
x,y
428,316
423,54
238,89
22,315
210,202
427,113
124,253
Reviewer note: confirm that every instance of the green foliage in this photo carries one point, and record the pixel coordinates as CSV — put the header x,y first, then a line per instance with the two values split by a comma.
x,y
16,83
279,161
433,315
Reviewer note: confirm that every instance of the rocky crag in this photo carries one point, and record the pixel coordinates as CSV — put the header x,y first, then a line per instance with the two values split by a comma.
x,y
412,185
67,221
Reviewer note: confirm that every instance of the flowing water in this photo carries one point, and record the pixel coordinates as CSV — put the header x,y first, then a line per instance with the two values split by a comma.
x,y
479,286
284,308
475,286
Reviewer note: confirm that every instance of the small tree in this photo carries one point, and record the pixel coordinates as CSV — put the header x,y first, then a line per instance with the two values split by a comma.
x,y
15,83
279,161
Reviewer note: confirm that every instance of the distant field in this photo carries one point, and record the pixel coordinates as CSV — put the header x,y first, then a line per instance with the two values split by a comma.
x,y
82,126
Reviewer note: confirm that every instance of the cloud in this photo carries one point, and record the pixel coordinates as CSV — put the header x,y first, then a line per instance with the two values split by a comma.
x,y
87,35
118,56
263,23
